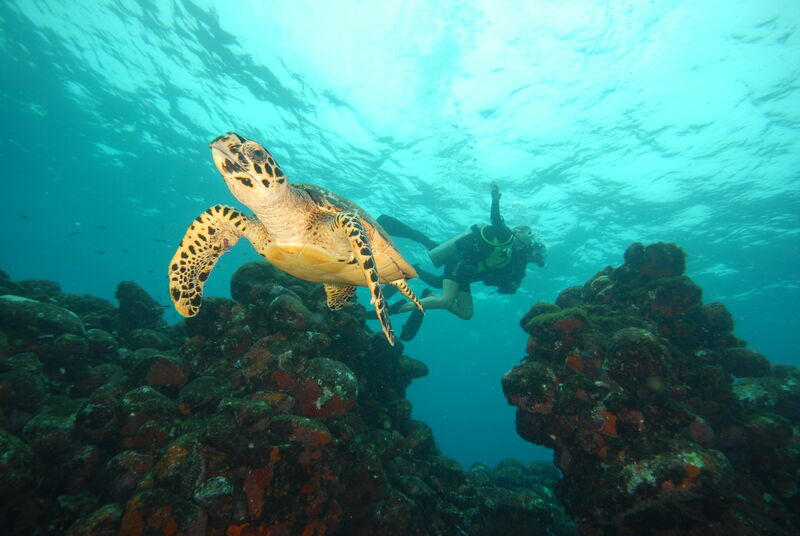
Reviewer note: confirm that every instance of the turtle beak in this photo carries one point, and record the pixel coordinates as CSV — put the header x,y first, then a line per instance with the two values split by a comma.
x,y
224,159
230,138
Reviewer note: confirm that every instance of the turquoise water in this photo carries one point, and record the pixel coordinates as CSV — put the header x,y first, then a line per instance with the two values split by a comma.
x,y
603,123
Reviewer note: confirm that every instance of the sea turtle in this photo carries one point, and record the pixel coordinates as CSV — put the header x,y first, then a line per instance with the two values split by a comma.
x,y
302,229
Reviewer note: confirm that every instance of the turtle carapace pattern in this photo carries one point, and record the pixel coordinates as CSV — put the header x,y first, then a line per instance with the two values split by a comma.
x,y
304,230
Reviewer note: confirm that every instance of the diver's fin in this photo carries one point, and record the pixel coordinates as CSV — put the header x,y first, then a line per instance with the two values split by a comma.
x,y
429,278
414,322
395,227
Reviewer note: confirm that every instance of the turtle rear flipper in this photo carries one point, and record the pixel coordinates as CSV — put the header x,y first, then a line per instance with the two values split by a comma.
x,y
403,287
212,233
350,226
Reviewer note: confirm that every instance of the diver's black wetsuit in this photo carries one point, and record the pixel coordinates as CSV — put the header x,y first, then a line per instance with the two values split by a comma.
x,y
485,254
475,249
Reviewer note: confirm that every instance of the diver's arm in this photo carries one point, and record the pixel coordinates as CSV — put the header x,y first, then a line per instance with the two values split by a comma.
x,y
516,273
499,230
495,217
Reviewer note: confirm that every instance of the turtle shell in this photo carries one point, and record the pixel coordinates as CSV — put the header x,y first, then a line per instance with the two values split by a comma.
x,y
325,257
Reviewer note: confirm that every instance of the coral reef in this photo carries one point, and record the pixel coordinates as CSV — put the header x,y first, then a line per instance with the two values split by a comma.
x,y
661,420
264,415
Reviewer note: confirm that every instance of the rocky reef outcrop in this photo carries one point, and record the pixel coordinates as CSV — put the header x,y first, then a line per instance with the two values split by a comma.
x,y
662,421
265,414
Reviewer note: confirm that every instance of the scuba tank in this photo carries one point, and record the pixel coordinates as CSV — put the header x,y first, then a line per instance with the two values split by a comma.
x,y
473,243
447,249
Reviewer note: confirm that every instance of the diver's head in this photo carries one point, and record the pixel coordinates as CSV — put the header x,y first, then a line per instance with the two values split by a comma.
x,y
526,243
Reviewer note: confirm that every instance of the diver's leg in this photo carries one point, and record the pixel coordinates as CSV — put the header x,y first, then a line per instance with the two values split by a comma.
x,y
429,278
445,301
462,305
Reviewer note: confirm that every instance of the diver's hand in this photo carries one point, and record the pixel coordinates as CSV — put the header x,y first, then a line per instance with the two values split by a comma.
x,y
508,288
495,189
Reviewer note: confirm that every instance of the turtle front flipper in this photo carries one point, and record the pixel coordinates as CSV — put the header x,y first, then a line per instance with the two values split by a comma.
x,y
211,234
339,295
403,287
350,226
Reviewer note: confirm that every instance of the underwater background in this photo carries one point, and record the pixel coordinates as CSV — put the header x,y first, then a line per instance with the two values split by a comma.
x,y
604,123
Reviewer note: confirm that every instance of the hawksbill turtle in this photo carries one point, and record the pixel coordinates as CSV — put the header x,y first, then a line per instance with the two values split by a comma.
x,y
304,230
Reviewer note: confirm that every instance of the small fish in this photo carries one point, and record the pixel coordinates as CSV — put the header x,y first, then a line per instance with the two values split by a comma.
x,y
73,233
123,250
101,227
161,240
23,216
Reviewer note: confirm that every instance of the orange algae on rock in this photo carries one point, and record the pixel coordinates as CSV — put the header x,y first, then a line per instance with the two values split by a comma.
x,y
567,326
164,520
284,379
692,472
135,523
132,520
609,427
274,454
173,454
237,530
574,362
310,435
254,484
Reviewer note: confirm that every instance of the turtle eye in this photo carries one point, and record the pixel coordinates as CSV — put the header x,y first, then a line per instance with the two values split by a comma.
x,y
258,154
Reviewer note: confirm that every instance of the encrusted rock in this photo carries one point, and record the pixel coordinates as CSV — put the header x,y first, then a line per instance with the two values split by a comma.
x,y
101,344
125,470
743,362
270,416
181,466
294,428
326,388
158,511
102,522
17,465
166,372
137,309
203,394
216,496
629,381
50,433
23,318
147,338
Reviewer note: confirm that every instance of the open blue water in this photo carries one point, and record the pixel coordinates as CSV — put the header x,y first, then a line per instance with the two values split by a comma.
x,y
604,123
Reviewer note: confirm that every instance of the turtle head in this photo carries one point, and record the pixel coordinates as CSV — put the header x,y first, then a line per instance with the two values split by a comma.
x,y
247,167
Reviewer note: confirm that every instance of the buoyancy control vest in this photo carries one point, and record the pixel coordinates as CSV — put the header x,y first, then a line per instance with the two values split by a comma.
x,y
499,253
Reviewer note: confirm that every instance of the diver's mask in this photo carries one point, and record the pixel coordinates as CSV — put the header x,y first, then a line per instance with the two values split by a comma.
x,y
524,243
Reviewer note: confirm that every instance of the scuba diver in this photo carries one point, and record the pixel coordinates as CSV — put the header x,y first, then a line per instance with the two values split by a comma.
x,y
494,254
